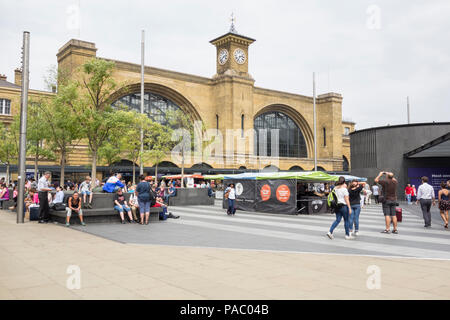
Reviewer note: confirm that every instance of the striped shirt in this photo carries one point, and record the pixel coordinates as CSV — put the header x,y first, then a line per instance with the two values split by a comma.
x,y
43,184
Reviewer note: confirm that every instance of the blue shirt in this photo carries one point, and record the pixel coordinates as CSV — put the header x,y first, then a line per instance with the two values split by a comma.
x,y
143,190
111,184
59,197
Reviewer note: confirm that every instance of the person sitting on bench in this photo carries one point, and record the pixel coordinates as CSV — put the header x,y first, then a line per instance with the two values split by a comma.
x,y
74,205
172,193
163,215
113,184
120,204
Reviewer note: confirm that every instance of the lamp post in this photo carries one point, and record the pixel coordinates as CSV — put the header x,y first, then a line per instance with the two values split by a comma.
x,y
23,125
141,165
315,121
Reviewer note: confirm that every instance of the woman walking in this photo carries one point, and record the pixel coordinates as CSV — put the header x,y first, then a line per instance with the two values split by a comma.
x,y
354,190
344,209
230,194
444,203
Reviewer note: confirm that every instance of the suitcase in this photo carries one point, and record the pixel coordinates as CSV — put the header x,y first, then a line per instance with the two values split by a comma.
x,y
34,213
398,213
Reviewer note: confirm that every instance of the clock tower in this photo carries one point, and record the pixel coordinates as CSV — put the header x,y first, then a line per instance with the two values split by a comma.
x,y
232,53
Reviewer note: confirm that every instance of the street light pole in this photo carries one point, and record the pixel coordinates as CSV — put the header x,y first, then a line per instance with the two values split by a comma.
x,y
315,121
23,125
141,165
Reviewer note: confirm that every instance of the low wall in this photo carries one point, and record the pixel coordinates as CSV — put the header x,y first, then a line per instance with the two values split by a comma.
x,y
191,197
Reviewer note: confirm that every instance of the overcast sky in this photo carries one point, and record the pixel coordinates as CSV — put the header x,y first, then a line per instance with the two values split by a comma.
x,y
375,53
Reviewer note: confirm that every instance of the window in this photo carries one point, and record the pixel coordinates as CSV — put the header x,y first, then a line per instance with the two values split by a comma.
x,y
155,106
291,140
217,124
324,137
346,131
242,126
5,106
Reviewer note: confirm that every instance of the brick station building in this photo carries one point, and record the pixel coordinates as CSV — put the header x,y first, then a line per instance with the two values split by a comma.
x,y
227,101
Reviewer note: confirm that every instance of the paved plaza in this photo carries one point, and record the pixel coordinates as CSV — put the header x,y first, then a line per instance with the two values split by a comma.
x,y
208,255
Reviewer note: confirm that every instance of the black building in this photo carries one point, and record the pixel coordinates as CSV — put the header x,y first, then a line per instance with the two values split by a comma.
x,y
409,151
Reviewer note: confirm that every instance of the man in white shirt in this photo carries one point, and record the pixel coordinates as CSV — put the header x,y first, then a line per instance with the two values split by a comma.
x,y
425,194
375,191
43,189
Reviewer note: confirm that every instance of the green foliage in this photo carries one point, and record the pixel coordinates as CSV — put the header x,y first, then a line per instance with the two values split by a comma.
x,y
38,132
9,142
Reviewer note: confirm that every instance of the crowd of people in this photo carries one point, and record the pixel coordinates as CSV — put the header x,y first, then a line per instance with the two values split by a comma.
x,y
352,196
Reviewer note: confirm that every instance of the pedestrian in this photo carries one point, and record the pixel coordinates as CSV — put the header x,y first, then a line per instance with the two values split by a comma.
x,y
425,195
389,187
354,190
230,194
368,194
144,197
43,189
408,193
413,194
444,203
74,205
344,209
376,192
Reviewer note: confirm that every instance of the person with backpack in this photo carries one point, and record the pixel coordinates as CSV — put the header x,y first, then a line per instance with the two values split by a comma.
x,y
145,197
339,201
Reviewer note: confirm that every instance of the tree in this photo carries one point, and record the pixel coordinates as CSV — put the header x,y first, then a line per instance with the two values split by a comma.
x,y
179,120
38,134
97,117
9,145
159,139
62,122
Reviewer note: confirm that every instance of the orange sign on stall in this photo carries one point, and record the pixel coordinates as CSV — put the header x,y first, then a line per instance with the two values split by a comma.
x,y
265,192
283,193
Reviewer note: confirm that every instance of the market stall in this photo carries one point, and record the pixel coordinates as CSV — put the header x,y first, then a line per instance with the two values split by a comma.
x,y
280,192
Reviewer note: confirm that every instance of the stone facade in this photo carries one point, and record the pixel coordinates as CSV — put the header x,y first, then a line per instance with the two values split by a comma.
x,y
221,102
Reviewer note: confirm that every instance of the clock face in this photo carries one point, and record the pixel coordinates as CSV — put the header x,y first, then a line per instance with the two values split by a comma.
x,y
223,56
239,56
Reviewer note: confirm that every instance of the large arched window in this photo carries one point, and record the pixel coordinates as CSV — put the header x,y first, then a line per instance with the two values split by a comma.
x,y
291,140
155,106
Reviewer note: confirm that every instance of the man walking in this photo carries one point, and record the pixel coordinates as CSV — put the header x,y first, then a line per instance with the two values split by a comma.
x,y
375,191
425,195
389,185
408,193
43,189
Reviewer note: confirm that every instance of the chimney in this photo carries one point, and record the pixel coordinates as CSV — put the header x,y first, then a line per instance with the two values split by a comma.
x,y
2,77
18,77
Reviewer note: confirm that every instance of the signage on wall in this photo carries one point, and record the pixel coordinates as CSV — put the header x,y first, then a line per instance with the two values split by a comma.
x,y
283,193
435,176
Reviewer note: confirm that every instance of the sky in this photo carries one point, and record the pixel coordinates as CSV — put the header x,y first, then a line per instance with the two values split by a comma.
x,y
374,53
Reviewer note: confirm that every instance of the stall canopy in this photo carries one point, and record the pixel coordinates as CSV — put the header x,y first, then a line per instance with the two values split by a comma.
x,y
312,176
213,177
350,178
195,176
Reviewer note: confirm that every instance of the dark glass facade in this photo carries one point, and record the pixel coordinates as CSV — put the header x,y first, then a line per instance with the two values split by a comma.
x,y
155,106
291,140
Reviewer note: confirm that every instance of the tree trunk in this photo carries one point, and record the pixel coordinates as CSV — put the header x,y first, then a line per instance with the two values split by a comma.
x,y
156,174
36,157
182,168
7,174
63,164
94,168
134,173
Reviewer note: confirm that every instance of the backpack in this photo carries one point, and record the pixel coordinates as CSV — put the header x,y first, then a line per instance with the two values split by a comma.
x,y
332,200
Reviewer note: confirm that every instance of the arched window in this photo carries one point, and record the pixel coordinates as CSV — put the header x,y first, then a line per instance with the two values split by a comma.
x,y
217,124
155,106
242,126
291,140
345,164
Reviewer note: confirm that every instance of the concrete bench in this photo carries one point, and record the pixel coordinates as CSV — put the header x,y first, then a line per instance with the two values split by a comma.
x,y
191,197
102,210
